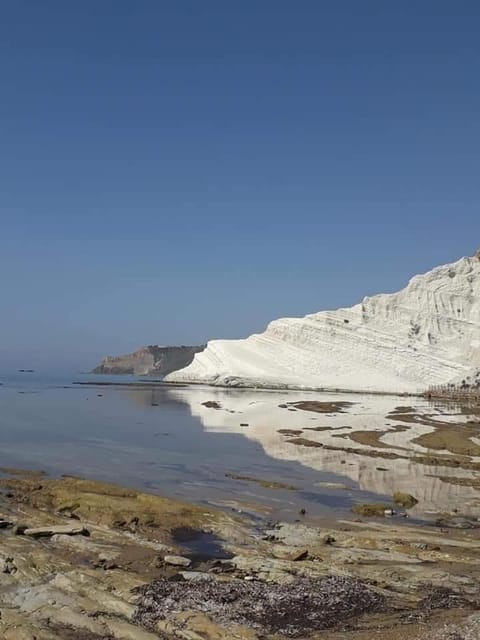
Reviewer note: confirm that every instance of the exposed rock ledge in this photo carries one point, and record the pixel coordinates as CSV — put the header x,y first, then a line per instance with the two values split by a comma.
x,y
426,334
150,360
351,579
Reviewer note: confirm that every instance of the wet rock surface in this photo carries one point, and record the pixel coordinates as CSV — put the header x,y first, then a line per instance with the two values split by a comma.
x,y
350,580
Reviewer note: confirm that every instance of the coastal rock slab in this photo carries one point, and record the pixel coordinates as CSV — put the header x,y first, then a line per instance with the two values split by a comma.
x,y
178,561
56,530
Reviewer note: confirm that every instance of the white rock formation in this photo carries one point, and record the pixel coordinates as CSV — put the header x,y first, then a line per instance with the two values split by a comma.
x,y
426,334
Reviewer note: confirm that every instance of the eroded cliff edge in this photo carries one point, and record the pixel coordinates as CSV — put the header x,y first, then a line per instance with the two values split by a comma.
x,y
150,360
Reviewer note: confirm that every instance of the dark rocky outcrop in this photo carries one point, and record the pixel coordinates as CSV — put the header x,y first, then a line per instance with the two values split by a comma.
x,y
150,360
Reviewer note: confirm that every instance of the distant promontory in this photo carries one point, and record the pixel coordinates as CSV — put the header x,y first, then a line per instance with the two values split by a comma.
x,y
150,360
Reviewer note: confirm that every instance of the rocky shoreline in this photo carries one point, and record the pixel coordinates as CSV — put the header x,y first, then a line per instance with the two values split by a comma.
x,y
90,561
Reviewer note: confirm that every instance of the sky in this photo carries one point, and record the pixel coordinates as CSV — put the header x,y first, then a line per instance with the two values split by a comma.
x,y
173,171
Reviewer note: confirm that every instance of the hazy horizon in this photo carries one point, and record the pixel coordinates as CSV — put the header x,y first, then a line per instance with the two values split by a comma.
x,y
176,173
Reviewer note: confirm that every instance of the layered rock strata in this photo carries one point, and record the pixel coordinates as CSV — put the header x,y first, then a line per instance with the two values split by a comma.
x,y
426,334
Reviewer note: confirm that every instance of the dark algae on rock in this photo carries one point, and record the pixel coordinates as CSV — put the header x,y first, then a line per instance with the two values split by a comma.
x,y
319,407
371,510
405,500
266,484
293,609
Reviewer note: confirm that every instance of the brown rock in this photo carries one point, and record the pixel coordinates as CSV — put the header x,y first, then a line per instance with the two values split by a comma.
x,y
300,555
47,532
405,500
178,561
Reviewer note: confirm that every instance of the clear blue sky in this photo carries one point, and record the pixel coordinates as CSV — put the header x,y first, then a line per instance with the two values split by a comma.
x,y
172,171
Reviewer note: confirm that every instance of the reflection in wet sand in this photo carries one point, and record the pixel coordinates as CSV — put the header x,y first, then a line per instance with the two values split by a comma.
x,y
428,451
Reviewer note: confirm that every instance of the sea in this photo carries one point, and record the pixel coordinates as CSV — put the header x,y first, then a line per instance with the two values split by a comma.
x,y
253,451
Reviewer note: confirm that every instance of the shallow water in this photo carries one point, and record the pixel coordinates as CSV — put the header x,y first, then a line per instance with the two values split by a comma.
x,y
165,440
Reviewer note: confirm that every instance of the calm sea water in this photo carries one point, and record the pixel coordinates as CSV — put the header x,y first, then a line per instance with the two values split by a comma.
x,y
165,440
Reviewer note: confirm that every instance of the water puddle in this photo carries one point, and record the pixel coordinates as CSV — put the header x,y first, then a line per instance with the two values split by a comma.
x,y
200,546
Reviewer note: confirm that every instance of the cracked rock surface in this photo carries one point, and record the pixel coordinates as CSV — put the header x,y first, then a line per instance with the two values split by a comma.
x,y
372,580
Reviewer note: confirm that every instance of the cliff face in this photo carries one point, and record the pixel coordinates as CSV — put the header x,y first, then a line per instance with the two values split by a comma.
x,y
426,334
150,360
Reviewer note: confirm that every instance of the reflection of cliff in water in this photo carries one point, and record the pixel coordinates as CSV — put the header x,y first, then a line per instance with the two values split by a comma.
x,y
154,396
260,410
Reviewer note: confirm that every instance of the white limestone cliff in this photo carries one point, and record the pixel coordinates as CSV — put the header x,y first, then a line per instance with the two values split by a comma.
x,y
426,334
